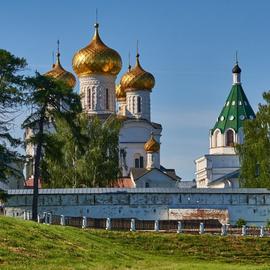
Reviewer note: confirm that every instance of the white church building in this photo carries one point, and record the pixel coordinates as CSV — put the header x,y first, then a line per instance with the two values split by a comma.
x,y
97,67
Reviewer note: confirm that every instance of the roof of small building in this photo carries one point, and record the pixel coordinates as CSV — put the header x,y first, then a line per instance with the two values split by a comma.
x,y
228,176
187,184
124,182
141,190
139,172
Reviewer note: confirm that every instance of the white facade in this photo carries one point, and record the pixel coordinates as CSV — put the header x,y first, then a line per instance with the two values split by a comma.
x,y
138,104
133,135
212,167
98,94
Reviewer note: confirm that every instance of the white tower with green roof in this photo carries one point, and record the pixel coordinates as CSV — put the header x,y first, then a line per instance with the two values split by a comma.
x,y
220,168
228,129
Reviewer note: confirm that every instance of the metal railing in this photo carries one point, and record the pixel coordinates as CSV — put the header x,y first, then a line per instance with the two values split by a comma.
x,y
183,226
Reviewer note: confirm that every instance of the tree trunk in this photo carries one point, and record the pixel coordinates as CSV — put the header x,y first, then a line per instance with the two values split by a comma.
x,y
37,171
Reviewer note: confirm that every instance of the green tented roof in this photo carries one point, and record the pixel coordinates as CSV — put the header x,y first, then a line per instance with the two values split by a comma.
x,y
235,111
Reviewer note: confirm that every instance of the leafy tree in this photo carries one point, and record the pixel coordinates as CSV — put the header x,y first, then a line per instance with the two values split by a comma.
x,y
240,222
254,152
86,159
49,99
12,86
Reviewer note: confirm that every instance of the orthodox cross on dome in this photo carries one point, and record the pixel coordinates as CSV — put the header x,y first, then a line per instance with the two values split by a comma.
x,y
129,65
58,51
53,59
137,53
96,23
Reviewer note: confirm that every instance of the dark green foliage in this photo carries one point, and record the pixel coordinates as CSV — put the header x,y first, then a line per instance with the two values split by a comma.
x,y
12,86
85,158
254,153
49,99
240,222
3,196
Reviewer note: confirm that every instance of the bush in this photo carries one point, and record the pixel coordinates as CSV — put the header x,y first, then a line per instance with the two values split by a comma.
x,y
240,222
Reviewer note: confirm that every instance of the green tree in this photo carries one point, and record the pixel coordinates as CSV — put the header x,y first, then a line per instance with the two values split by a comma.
x,y
86,159
254,152
49,99
12,86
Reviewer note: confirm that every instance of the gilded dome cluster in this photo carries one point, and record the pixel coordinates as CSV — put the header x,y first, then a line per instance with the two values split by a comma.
x,y
96,58
152,145
137,79
59,73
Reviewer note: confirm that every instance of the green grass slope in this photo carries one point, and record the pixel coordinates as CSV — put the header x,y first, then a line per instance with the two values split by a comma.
x,y
27,245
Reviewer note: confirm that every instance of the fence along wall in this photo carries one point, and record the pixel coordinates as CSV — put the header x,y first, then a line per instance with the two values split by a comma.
x,y
253,205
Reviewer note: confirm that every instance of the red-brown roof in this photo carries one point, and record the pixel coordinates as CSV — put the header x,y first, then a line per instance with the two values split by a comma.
x,y
30,183
124,182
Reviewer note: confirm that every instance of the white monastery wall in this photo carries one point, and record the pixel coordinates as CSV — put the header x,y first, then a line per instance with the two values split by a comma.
x,y
253,205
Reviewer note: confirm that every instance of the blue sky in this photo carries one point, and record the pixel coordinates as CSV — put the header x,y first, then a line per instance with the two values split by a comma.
x,y
189,46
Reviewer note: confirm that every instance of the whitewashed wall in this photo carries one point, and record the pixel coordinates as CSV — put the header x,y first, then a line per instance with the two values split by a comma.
x,y
253,205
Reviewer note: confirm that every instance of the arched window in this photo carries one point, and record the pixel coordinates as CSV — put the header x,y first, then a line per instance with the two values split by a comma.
x,y
139,161
133,104
107,99
129,103
229,138
93,105
139,108
89,98
217,139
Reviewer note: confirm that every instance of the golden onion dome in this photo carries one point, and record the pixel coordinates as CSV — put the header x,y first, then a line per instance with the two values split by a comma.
x,y
152,145
120,93
96,58
137,78
59,73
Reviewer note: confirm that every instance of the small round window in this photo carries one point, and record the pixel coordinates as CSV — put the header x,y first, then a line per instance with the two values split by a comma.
x,y
233,103
231,117
222,118
241,117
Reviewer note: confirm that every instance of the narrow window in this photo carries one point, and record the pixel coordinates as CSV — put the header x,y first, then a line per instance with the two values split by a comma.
x,y
133,105
139,104
89,98
229,138
147,185
129,103
137,163
141,162
107,99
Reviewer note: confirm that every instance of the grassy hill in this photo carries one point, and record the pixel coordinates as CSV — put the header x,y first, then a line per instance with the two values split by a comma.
x,y
27,245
